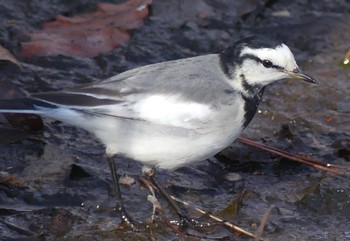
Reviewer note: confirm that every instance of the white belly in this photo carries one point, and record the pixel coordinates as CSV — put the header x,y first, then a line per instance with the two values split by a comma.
x,y
166,144
169,147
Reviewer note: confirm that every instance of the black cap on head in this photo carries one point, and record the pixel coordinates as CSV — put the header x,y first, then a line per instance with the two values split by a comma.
x,y
255,42
230,56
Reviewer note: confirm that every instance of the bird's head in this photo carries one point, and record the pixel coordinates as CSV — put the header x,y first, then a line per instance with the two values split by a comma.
x,y
259,61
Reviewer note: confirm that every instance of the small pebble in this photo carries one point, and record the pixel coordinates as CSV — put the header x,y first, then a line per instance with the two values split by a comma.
x,y
126,180
233,177
282,13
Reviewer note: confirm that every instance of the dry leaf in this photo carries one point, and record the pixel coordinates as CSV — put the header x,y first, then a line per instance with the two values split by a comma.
x,y
7,56
88,34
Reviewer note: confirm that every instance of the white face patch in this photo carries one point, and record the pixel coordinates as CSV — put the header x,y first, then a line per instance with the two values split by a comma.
x,y
256,73
280,56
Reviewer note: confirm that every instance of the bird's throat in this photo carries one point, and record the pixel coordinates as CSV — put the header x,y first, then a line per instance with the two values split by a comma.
x,y
251,103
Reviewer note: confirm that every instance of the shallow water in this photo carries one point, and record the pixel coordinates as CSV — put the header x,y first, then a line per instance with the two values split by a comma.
x,y
60,175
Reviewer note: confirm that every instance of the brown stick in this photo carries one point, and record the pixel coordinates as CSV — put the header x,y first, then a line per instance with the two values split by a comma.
x,y
304,160
217,219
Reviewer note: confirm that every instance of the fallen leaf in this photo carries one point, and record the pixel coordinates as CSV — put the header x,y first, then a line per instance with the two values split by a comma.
x,y
5,55
11,180
127,181
88,34
329,119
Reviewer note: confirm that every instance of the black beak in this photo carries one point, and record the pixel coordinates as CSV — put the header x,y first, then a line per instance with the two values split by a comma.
x,y
297,74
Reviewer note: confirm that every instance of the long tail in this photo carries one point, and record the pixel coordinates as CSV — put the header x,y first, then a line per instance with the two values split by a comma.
x,y
24,105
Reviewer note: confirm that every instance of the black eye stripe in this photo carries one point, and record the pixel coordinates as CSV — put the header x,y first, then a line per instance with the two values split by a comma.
x,y
276,67
269,64
258,60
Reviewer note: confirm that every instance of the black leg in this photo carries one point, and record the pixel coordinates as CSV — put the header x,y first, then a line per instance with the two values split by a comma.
x,y
126,219
182,215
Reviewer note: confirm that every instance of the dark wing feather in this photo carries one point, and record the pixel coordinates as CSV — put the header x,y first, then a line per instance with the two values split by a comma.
x,y
74,99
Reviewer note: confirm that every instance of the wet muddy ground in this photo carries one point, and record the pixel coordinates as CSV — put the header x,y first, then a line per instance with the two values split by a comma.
x,y
59,184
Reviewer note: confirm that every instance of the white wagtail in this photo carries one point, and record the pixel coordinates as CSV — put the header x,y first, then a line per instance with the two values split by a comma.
x,y
170,114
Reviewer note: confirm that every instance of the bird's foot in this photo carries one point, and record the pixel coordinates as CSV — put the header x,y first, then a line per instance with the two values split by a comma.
x,y
128,222
187,222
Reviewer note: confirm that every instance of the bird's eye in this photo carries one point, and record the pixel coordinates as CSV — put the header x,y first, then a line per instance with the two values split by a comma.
x,y
267,63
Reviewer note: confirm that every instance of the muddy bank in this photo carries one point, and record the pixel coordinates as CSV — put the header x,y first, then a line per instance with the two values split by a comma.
x,y
61,175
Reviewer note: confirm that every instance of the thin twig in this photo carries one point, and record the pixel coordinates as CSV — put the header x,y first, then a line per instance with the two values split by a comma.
x,y
301,159
176,231
217,219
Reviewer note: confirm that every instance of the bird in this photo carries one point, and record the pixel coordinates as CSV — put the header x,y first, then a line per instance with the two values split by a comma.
x,y
170,114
